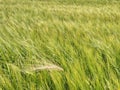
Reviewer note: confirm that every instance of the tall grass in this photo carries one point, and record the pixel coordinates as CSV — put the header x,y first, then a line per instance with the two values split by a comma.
x,y
81,38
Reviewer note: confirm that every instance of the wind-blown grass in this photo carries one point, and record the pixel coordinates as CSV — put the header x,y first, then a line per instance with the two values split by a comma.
x,y
82,38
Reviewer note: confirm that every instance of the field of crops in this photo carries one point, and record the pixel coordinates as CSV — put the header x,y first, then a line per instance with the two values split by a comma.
x,y
59,45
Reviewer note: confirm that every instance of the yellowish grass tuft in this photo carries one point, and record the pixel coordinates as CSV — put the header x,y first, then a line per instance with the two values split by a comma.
x,y
49,67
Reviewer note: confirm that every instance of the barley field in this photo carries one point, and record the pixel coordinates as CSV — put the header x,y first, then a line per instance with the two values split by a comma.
x,y
59,45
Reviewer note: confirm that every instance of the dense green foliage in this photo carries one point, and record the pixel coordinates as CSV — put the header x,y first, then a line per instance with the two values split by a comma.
x,y
80,36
